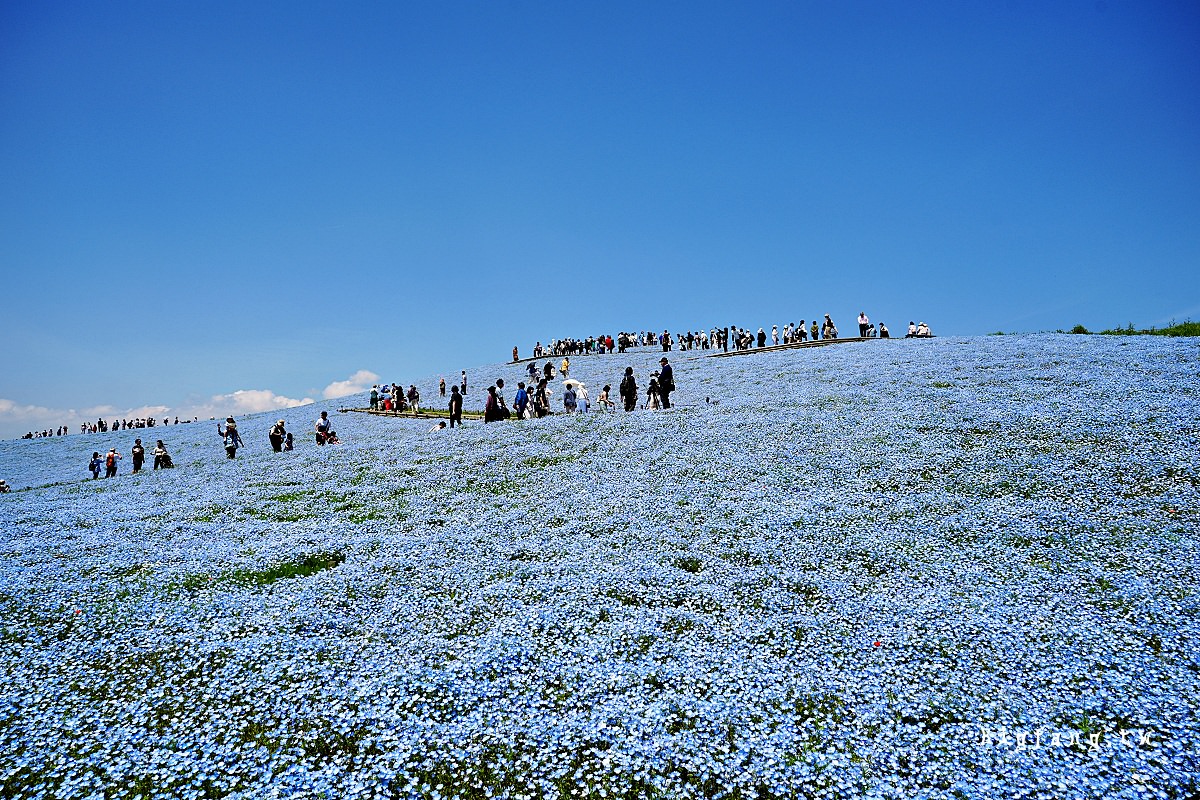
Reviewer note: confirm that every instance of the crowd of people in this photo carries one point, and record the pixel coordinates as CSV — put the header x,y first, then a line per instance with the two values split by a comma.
x,y
104,426
723,339
109,461
534,401
531,401
393,397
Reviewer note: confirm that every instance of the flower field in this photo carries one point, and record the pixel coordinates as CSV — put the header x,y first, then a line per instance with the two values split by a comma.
x,y
949,568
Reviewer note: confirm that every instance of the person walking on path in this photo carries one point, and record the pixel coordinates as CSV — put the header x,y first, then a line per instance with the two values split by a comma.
x,y
414,398
277,432
138,454
863,324
233,439
521,401
323,427
629,390
491,406
374,401
456,401
541,399
565,367
666,383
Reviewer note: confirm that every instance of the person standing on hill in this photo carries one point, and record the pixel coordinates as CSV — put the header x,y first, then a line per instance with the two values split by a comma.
x,y
629,390
521,401
815,331
95,464
463,386
277,432
456,401
491,407
414,398
161,457
233,439
138,454
863,324
442,387
374,399
666,383
110,463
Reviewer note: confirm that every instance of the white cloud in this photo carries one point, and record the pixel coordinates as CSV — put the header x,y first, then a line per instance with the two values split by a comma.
x,y
360,381
243,401
38,414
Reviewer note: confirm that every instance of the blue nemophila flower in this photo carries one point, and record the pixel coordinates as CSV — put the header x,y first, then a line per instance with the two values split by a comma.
x,y
683,602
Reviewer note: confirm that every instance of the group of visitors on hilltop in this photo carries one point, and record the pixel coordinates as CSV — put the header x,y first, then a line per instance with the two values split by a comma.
x,y
103,426
723,339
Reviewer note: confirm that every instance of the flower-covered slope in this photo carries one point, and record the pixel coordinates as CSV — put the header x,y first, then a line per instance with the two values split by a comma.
x,y
953,568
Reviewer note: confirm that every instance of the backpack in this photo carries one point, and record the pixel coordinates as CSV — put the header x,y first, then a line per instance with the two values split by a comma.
x,y
110,460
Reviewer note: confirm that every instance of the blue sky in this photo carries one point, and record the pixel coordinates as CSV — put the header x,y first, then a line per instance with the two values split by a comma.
x,y
207,199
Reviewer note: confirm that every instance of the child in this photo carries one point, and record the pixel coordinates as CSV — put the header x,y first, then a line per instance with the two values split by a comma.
x,y
95,465
605,403
288,444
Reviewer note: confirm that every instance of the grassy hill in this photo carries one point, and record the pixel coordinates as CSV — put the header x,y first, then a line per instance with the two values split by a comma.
x,y
846,577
